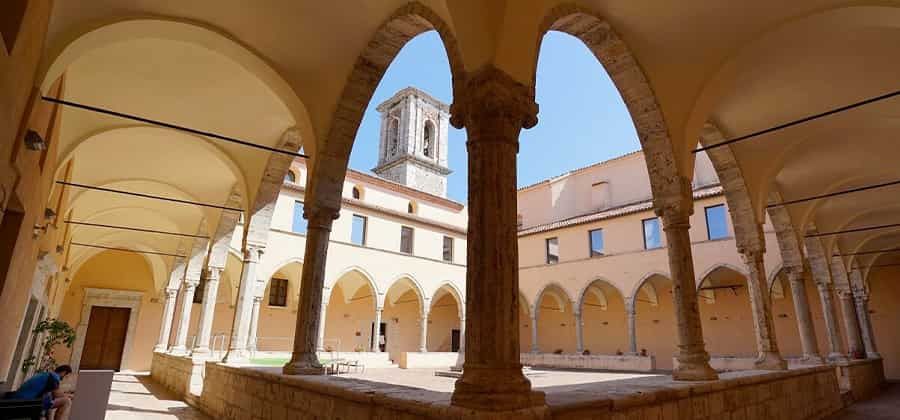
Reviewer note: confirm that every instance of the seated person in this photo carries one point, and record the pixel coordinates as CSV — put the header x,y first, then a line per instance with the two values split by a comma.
x,y
45,386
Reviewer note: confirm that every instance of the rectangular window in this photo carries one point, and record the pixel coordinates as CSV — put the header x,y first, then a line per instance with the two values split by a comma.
x,y
278,292
448,249
198,291
552,250
358,232
651,233
299,223
596,238
716,224
406,239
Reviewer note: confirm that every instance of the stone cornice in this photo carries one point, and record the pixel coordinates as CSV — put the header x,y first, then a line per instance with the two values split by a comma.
x,y
416,161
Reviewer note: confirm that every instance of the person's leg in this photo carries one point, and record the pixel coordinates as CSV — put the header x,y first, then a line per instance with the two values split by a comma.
x,y
62,406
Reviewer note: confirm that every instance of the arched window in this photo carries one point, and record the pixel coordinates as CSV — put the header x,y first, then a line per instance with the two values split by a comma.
x,y
428,139
394,135
290,177
411,208
356,193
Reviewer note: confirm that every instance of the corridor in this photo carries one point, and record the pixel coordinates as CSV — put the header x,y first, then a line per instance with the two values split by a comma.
x,y
138,397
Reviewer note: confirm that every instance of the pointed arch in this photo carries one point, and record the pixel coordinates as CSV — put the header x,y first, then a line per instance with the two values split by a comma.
x,y
596,286
453,291
551,289
717,267
644,281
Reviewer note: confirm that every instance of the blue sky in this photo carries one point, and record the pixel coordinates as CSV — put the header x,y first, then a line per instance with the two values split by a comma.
x,y
582,118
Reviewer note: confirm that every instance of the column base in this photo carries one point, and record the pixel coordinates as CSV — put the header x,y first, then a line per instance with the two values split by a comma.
x,y
160,349
836,357
811,359
201,353
304,364
873,355
770,361
179,351
694,368
495,389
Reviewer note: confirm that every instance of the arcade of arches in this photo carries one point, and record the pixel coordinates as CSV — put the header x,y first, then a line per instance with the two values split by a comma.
x,y
188,162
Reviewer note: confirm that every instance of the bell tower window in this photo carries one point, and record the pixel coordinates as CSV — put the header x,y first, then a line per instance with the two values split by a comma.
x,y
428,140
394,135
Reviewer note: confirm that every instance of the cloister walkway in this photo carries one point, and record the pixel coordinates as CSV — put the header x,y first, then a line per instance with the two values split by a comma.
x,y
136,396
885,406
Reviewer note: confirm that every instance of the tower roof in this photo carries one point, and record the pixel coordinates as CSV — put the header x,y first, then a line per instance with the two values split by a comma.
x,y
413,91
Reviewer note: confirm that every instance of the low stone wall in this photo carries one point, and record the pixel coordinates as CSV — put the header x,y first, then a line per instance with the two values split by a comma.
x,y
726,363
801,394
593,361
180,374
430,360
863,378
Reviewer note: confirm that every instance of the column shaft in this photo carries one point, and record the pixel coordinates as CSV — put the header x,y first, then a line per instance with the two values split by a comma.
x,y
253,337
423,333
579,334
851,325
631,313
243,310
376,331
768,357
804,316
493,107
693,360
320,346
534,332
830,315
865,326
165,330
184,320
207,311
304,359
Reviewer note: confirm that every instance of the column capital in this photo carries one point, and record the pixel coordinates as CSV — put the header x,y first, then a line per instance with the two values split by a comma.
x,y
190,286
253,252
171,293
861,297
319,216
492,96
676,206
214,273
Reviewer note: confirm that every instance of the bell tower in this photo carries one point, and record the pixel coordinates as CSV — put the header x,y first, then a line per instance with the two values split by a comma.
x,y
413,146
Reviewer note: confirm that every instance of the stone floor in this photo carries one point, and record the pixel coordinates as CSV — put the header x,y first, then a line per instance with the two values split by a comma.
x,y
886,406
136,396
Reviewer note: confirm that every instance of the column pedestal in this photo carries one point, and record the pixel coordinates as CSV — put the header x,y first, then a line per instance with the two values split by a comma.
x,y
768,357
304,360
804,317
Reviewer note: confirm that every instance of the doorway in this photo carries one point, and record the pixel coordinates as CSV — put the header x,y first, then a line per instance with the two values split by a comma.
x,y
382,340
454,340
104,341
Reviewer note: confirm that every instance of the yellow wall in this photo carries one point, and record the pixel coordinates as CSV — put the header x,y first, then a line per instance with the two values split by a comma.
x,y
884,309
443,318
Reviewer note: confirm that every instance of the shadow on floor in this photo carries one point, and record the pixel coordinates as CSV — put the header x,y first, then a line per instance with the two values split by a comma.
x,y
139,397
886,406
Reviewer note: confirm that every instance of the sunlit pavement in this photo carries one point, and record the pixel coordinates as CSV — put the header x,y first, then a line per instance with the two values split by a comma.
x,y
136,396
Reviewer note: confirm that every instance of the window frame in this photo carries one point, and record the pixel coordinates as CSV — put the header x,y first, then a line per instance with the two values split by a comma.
x,y
547,250
444,248
272,290
724,220
644,232
365,228
591,243
412,237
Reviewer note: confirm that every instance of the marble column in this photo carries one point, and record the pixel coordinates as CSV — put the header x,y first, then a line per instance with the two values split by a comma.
x,y
631,314
184,320
376,331
493,107
534,332
243,310
830,315
304,360
808,342
165,330
423,333
675,212
253,337
207,312
579,333
320,341
768,357
851,325
865,325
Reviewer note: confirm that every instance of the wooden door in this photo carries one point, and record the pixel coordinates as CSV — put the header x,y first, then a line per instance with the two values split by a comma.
x,y
104,341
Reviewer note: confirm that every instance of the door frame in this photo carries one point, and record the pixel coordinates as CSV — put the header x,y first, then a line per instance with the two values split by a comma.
x,y
110,298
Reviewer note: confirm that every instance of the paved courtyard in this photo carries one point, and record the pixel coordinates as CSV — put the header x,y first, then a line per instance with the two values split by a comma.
x,y
136,396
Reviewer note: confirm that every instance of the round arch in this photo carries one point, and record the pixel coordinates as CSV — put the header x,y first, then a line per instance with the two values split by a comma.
x,y
592,286
645,280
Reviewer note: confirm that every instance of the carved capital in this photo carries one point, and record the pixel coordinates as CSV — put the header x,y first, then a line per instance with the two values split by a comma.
x,y
320,217
214,274
253,252
493,106
171,293
676,206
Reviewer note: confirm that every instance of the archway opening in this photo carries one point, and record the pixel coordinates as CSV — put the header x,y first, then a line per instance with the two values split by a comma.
x,y
278,309
725,313
655,325
403,307
555,322
604,329
444,321
350,314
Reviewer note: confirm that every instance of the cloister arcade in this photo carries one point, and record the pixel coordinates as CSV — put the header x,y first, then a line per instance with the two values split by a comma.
x,y
797,118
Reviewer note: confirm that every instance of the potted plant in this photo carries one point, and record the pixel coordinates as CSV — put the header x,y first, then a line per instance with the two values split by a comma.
x,y
51,332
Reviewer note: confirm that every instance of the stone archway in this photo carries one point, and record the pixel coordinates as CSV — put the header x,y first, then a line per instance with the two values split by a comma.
x,y
655,327
725,312
444,320
555,318
350,313
604,329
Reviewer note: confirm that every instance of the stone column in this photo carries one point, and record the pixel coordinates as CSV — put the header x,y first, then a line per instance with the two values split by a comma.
x,y
165,330
796,277
304,359
768,357
851,325
493,107
830,315
461,352
534,332
579,333
423,333
675,212
254,324
184,320
631,313
376,331
243,310
320,343
865,324
207,312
